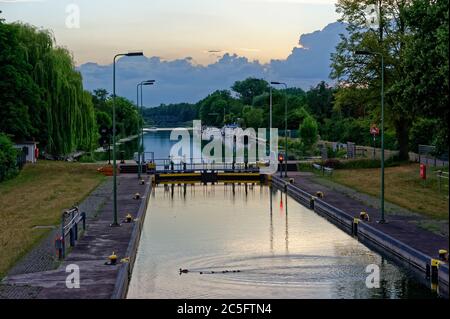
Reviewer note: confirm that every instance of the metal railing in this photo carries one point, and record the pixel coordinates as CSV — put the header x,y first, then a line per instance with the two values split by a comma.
x,y
69,229
441,175
182,165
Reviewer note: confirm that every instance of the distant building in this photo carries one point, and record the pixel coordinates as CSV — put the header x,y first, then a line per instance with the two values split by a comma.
x,y
31,150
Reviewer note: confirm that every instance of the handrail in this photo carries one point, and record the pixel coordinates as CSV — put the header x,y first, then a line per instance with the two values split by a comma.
x,y
69,228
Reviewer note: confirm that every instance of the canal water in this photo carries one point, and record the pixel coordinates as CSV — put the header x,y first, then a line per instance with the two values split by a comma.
x,y
233,245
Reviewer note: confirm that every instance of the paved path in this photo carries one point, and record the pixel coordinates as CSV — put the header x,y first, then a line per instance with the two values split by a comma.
x,y
90,253
401,225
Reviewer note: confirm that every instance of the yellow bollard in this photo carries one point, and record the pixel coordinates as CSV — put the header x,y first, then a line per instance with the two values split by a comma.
x,y
364,216
112,259
443,254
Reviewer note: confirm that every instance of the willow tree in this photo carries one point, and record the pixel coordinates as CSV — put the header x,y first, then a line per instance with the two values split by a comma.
x,y
47,93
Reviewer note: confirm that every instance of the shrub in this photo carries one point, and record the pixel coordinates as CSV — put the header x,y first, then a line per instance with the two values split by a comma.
x,y
8,153
333,163
367,163
357,163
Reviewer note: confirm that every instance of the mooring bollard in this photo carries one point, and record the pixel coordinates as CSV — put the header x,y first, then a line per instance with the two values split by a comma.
x,y
435,270
443,254
364,216
355,226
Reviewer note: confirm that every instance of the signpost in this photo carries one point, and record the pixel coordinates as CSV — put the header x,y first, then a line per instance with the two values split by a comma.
x,y
281,160
105,140
324,155
374,131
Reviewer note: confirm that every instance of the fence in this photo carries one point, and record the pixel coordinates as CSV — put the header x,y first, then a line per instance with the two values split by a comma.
x,y
424,155
69,229
442,178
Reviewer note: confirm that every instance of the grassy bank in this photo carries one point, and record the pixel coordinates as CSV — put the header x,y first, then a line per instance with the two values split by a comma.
x,y
403,187
36,198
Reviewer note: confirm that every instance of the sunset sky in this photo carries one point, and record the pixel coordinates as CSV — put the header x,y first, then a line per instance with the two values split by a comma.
x,y
173,29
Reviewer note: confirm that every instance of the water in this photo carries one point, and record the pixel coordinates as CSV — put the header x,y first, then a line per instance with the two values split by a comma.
x,y
286,252
160,144
245,250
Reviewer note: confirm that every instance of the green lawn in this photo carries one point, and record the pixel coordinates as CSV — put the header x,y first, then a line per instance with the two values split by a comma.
x,y
36,197
403,187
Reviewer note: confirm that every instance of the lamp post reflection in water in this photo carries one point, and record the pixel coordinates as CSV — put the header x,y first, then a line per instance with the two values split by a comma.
x,y
271,218
286,238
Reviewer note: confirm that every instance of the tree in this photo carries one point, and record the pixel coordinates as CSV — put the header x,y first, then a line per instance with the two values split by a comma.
x,y
365,71
425,61
213,107
127,117
41,93
309,132
253,117
320,101
250,88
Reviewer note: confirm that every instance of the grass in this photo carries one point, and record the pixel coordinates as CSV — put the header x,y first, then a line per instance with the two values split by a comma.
x,y
403,187
36,197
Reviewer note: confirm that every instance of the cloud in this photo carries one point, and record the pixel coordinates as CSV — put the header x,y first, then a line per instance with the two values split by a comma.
x,y
182,80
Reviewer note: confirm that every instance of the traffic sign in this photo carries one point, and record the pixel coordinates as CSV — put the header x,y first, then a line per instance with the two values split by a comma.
x,y
374,130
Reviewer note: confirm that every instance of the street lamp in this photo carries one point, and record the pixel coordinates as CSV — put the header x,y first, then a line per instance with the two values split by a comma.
x,y
365,52
285,124
149,82
130,54
270,109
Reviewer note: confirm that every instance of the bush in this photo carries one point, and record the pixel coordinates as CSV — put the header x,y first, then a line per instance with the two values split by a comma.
x,y
351,164
360,163
333,163
8,153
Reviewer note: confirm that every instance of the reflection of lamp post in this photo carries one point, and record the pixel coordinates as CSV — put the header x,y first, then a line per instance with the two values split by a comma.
x,y
285,125
364,52
149,82
115,220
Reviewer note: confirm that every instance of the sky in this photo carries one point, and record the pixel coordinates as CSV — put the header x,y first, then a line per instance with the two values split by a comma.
x,y
173,29
191,47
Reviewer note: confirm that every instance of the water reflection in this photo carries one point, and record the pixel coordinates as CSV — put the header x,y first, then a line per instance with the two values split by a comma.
x,y
219,233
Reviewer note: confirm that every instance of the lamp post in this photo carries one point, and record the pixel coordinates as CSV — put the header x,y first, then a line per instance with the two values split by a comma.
x,y
115,222
270,109
285,125
365,52
141,147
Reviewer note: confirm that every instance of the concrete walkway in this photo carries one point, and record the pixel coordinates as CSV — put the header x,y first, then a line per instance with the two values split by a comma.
x,y
97,280
401,226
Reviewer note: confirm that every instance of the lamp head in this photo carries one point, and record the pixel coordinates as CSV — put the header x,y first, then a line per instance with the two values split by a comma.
x,y
149,82
135,53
